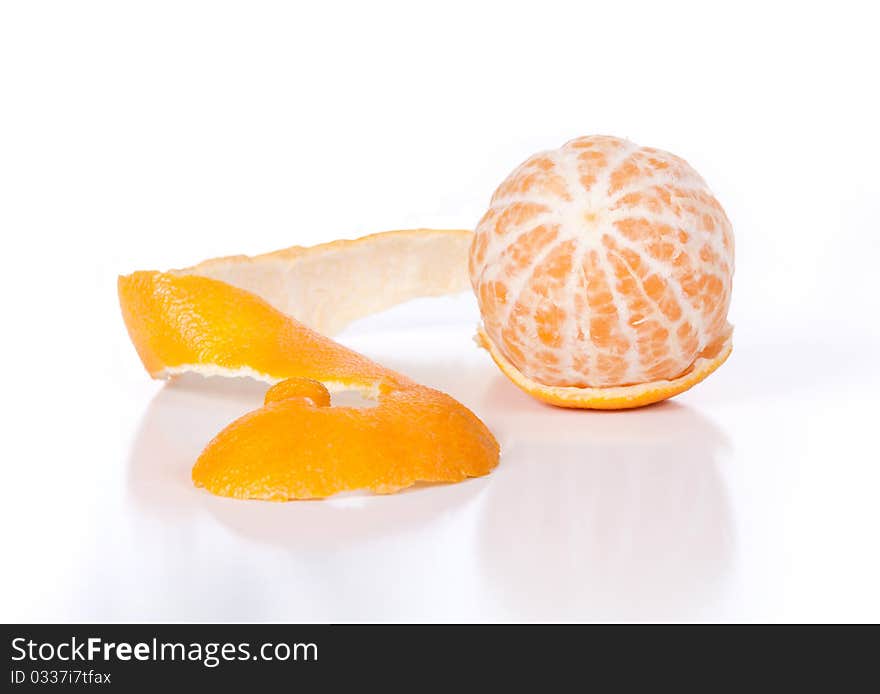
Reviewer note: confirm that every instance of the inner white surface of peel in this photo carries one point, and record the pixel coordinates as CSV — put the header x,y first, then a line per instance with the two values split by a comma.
x,y
211,370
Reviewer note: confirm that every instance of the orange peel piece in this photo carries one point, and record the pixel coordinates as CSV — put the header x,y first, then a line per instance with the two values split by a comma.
x,y
296,446
327,286
612,397
186,323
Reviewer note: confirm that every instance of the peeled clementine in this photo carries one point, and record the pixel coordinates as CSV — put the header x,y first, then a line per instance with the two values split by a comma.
x,y
603,272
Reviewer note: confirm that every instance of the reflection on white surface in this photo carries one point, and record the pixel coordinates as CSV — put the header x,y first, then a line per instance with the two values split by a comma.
x,y
608,516
596,515
589,516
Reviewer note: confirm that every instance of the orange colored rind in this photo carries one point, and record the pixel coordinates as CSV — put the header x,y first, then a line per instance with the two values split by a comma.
x,y
185,323
304,388
612,397
297,446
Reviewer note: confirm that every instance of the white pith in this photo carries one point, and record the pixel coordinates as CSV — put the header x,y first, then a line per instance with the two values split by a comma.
x,y
211,370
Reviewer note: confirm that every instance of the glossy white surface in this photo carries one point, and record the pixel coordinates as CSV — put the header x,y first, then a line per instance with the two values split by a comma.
x,y
155,138
738,500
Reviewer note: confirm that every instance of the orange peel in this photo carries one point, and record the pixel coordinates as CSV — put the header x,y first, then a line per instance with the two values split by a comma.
x,y
327,286
229,317
298,447
186,323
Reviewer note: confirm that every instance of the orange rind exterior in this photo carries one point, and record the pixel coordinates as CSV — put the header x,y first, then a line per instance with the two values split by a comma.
x,y
186,323
298,446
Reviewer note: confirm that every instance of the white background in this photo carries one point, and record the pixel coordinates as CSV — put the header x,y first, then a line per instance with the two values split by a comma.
x,y
152,135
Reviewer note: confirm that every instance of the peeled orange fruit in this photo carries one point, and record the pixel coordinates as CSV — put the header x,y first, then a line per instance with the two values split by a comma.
x,y
603,272
231,317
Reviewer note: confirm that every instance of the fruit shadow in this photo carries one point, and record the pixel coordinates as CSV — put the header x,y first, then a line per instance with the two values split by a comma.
x,y
190,410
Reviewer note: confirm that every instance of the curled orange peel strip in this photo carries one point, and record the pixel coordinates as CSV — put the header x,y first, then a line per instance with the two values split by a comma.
x,y
231,317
